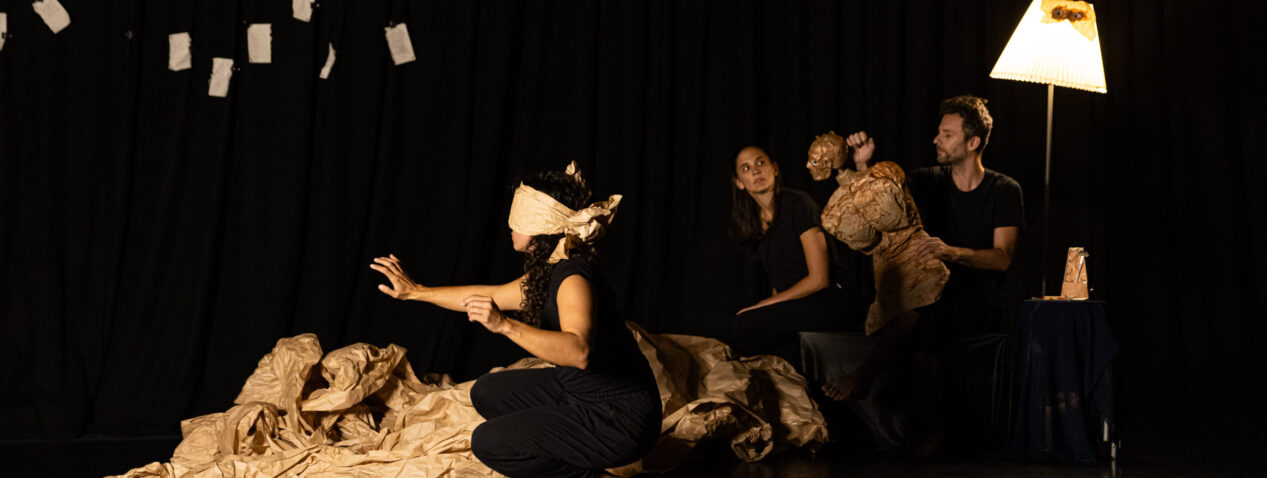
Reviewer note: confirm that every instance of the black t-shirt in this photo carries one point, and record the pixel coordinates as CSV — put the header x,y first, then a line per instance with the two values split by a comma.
x,y
615,362
779,248
967,219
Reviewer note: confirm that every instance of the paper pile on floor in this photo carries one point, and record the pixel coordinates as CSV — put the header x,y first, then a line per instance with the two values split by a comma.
x,y
361,411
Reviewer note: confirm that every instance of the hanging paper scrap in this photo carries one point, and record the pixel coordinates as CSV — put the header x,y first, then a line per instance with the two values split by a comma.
x,y
178,56
325,70
53,13
221,71
259,41
398,42
301,10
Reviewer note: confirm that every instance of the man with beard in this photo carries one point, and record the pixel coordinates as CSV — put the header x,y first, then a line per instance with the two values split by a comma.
x,y
973,216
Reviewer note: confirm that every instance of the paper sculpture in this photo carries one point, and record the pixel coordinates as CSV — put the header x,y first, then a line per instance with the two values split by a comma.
x,y
1075,285
873,213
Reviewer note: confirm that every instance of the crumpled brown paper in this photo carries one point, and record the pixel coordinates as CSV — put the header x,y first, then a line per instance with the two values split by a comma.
x,y
752,401
1079,14
873,213
361,412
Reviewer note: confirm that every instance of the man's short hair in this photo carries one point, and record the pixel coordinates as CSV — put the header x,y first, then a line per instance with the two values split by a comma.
x,y
976,118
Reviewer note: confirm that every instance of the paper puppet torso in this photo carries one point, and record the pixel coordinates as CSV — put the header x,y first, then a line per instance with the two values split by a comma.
x,y
872,212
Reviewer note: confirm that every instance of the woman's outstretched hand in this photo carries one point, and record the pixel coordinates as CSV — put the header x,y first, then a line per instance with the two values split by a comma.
x,y
482,309
402,287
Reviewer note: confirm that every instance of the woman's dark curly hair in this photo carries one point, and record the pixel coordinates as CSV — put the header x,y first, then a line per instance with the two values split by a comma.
x,y
574,194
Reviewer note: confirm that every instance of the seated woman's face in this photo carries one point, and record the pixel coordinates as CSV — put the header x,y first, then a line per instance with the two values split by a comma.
x,y
754,172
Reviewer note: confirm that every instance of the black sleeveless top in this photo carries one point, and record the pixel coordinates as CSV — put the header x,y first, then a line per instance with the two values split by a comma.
x,y
616,365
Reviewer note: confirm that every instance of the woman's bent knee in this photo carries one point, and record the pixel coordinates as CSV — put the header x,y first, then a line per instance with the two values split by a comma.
x,y
485,447
481,395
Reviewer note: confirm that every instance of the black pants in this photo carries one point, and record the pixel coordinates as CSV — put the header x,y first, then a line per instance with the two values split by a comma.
x,y
775,329
961,311
539,425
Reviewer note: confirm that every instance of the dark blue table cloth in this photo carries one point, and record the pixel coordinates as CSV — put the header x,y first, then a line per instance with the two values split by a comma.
x,y
1063,355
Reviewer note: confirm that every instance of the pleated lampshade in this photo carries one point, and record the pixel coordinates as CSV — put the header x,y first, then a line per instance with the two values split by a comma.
x,y
1061,48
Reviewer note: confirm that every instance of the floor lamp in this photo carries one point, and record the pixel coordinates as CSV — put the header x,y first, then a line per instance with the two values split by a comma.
x,y
1055,43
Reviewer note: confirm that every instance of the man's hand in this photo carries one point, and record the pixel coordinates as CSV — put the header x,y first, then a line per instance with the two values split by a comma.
x,y
863,147
998,258
482,309
933,248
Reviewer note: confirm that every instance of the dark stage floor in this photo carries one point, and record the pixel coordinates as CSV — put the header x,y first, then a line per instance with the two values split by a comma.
x,y
1164,446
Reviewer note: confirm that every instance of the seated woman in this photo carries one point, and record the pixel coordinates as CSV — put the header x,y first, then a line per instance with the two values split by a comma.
x,y
781,225
600,407
873,213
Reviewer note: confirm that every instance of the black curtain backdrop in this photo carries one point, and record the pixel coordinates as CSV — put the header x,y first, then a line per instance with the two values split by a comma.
x,y
155,242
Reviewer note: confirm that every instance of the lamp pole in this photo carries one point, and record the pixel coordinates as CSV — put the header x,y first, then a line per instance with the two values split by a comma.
x,y
1042,242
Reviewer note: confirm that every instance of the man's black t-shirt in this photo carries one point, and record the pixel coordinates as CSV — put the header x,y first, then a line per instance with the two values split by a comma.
x,y
967,219
779,248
